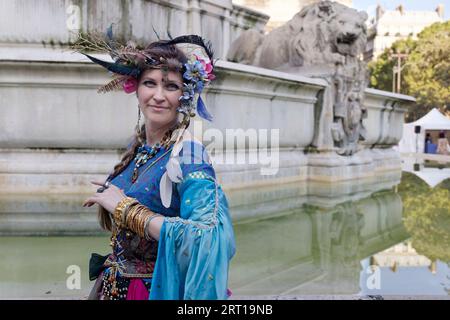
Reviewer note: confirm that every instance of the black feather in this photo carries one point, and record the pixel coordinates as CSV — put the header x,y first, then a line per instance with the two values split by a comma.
x,y
169,35
195,39
115,67
157,35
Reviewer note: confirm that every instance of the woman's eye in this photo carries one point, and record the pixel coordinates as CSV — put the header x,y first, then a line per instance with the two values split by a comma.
x,y
149,83
172,87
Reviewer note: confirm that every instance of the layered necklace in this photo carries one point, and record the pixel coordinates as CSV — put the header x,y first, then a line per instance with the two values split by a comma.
x,y
145,153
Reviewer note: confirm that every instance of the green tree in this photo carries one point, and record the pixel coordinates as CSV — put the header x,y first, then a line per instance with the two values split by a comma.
x,y
426,73
381,69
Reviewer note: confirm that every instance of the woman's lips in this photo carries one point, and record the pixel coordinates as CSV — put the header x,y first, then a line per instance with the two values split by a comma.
x,y
158,108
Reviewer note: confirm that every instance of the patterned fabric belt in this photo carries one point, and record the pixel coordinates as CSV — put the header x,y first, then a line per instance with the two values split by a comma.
x,y
136,275
121,269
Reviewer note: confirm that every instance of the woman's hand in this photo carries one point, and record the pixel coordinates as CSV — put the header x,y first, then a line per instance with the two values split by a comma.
x,y
108,199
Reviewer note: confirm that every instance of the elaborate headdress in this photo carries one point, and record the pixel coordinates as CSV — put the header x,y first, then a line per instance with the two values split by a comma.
x,y
130,61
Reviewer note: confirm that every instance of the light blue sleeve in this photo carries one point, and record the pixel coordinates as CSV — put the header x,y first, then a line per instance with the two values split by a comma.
x,y
195,248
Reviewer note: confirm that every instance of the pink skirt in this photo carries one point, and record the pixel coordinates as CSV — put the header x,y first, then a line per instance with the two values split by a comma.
x,y
136,290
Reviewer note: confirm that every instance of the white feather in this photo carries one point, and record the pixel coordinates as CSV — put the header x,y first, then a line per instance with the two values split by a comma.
x,y
173,170
165,190
177,148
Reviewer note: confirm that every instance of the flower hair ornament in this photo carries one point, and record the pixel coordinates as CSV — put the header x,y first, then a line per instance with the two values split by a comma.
x,y
129,61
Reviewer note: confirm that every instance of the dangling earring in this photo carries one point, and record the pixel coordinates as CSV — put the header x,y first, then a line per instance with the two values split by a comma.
x,y
138,126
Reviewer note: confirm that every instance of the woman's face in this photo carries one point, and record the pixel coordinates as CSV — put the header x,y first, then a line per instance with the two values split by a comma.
x,y
158,96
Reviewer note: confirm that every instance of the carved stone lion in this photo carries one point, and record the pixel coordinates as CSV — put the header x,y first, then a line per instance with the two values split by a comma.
x,y
322,33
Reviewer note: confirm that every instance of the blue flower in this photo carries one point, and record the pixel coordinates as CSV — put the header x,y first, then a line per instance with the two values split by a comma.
x,y
188,92
195,71
199,86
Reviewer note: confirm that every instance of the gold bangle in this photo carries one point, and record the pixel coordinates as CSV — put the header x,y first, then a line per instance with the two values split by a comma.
x,y
126,210
119,210
137,217
130,216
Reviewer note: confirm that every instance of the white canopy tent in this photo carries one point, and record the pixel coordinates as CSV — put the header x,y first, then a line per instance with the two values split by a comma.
x,y
433,120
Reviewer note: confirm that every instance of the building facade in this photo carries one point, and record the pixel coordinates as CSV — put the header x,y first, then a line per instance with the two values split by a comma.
x,y
389,26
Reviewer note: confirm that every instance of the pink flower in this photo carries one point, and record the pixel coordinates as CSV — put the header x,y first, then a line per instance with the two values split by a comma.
x,y
130,85
208,68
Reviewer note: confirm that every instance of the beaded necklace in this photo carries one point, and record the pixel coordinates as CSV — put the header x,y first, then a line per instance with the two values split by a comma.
x,y
145,153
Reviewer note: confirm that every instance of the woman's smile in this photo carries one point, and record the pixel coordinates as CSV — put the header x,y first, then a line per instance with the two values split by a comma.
x,y
159,108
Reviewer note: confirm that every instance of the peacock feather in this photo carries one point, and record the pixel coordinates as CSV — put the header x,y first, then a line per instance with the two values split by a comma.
x,y
113,85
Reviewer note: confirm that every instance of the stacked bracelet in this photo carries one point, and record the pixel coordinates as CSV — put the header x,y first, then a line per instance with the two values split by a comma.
x,y
130,214
138,218
122,209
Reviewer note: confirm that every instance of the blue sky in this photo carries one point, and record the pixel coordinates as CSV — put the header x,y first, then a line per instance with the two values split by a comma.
x,y
414,5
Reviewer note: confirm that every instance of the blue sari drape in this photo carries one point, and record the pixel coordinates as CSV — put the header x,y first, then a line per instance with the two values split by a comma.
x,y
195,248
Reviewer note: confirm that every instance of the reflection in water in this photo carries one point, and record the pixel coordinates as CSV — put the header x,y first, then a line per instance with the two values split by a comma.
x,y
304,245
427,216
403,271
315,250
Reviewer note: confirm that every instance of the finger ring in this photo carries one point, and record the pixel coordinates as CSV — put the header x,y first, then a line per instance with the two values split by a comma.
x,y
106,185
101,189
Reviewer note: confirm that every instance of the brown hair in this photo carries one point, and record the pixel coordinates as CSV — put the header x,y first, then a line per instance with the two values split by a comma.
x,y
174,59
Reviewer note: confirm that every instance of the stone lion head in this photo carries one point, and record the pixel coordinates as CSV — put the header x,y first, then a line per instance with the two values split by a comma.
x,y
348,32
326,32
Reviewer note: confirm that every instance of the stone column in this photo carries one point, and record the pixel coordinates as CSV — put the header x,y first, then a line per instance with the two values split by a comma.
x,y
194,17
226,38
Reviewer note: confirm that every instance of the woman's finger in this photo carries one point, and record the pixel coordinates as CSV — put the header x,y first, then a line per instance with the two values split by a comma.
x,y
98,183
89,202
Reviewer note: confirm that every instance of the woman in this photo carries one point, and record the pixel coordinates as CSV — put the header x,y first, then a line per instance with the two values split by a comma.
x,y
172,235
428,142
443,146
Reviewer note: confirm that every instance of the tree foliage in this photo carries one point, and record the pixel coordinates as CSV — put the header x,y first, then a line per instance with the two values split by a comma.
x,y
426,216
381,69
426,72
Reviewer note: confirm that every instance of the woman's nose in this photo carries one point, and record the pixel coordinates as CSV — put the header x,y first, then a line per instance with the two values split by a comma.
x,y
159,94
